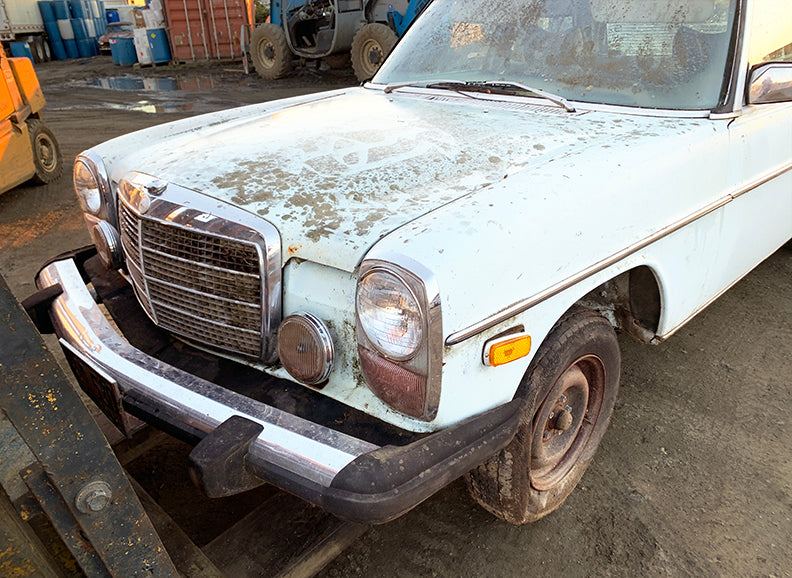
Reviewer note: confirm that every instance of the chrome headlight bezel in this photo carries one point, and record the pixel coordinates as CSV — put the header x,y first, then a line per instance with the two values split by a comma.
x,y
96,201
409,382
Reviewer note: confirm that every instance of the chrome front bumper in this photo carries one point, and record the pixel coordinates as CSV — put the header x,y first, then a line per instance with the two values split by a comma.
x,y
350,477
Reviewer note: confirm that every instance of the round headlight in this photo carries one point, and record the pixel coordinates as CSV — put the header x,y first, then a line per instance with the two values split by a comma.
x,y
87,187
389,315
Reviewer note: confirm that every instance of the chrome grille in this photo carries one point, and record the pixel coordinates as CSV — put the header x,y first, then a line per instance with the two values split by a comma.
x,y
203,286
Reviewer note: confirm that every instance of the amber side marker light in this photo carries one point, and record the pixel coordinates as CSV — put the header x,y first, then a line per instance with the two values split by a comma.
x,y
506,349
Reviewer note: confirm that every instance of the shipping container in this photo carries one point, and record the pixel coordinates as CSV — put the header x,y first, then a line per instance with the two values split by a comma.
x,y
206,29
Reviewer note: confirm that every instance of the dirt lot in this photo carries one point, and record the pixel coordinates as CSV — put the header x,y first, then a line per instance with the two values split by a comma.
x,y
694,476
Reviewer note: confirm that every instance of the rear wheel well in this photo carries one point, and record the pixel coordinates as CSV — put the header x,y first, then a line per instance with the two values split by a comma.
x,y
631,301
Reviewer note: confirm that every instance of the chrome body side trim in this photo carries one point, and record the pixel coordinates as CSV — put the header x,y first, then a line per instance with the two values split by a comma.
x,y
747,188
661,338
310,451
521,306
525,304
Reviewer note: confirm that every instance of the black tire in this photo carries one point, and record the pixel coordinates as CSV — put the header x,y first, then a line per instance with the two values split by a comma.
x,y
371,45
46,152
576,368
36,45
270,52
338,61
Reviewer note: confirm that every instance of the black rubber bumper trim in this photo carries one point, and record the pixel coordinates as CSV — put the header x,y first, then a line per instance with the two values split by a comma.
x,y
80,256
384,484
379,486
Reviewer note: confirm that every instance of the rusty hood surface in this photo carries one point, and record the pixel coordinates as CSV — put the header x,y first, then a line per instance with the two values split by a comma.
x,y
337,172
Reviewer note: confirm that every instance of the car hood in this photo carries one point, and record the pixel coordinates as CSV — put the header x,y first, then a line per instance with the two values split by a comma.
x,y
337,172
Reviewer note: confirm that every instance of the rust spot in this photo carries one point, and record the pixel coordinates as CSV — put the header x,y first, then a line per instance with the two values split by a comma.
x,y
293,249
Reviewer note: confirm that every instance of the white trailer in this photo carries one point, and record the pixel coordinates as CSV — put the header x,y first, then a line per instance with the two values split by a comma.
x,y
19,18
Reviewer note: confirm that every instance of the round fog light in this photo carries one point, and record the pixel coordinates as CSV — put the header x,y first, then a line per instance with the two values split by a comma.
x,y
305,348
108,244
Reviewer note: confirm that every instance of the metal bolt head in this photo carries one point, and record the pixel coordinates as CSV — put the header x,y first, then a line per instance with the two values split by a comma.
x,y
93,497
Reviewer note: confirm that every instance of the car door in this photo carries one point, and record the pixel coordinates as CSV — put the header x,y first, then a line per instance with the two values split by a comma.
x,y
759,219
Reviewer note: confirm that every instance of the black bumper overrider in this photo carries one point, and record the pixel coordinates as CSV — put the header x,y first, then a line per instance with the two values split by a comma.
x,y
347,476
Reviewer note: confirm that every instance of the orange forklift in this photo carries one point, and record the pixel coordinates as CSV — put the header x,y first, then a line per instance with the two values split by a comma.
x,y
28,149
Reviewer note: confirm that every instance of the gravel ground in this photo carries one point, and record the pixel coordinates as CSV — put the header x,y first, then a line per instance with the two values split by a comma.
x,y
694,476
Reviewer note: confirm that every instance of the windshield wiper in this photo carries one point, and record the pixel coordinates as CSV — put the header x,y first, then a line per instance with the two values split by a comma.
x,y
422,83
487,86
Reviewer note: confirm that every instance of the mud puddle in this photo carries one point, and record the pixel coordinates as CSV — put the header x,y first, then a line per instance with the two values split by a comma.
x,y
161,84
140,106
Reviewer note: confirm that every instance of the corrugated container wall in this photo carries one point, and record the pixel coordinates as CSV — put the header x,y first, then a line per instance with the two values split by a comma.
x,y
206,29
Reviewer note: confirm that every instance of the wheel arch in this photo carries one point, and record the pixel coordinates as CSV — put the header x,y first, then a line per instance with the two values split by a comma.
x,y
632,301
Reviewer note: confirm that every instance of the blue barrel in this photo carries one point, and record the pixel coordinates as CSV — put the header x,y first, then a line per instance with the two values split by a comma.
x,y
123,50
85,47
55,41
71,48
58,49
47,11
78,26
112,15
77,8
51,26
21,50
158,42
61,8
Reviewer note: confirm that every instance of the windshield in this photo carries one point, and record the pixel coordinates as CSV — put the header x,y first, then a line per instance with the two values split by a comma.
x,y
669,54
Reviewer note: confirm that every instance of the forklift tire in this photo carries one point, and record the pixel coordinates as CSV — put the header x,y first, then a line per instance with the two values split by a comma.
x,y
270,51
371,45
46,152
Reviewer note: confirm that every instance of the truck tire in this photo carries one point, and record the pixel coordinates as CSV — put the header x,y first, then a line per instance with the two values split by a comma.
x,y
46,152
37,47
270,51
371,45
569,389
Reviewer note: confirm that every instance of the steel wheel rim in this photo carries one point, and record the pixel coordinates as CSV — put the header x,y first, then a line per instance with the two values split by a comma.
x,y
45,151
554,452
373,55
266,51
